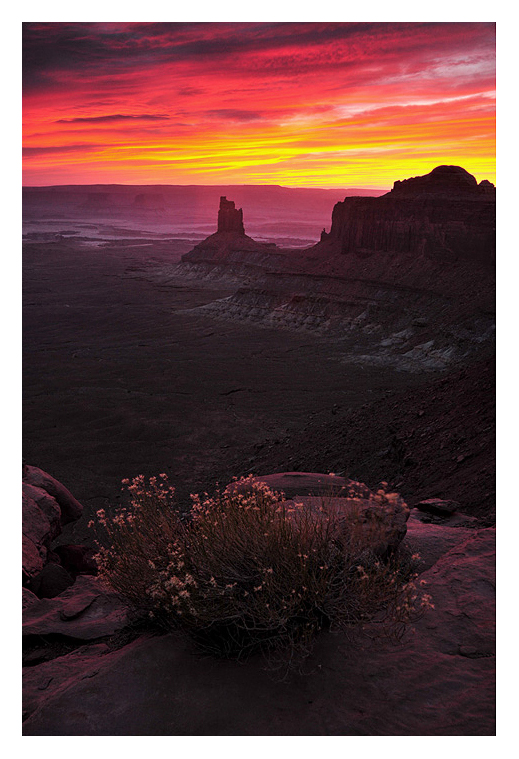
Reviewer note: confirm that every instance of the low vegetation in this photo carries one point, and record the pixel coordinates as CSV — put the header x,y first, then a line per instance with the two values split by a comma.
x,y
247,571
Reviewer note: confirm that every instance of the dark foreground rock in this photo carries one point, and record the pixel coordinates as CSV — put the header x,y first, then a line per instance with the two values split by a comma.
x,y
52,580
438,506
85,611
431,541
382,516
438,681
90,672
77,559
70,508
47,506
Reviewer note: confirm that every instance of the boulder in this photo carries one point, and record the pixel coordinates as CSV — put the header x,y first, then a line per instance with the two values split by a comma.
x,y
382,523
28,598
382,518
47,504
37,532
32,558
85,611
297,484
70,508
52,580
438,506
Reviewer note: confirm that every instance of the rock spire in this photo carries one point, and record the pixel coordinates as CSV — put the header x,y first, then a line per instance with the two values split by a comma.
x,y
230,218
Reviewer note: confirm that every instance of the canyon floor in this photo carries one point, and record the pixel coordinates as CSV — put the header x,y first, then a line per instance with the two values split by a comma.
x,y
124,375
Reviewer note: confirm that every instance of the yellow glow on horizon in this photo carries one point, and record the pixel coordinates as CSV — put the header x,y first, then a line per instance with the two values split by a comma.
x,y
289,107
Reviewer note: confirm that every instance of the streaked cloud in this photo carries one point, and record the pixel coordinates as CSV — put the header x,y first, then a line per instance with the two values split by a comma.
x,y
113,117
53,149
257,102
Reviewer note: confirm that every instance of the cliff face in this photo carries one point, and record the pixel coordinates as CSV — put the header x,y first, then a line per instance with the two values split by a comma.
x,y
444,215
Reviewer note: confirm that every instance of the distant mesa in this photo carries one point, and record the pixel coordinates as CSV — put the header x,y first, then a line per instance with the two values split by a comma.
x,y
443,180
444,215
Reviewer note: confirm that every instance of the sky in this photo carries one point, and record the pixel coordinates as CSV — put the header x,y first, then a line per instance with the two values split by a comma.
x,y
296,104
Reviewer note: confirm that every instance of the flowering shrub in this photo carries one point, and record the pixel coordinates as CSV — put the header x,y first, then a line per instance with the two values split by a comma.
x,y
249,571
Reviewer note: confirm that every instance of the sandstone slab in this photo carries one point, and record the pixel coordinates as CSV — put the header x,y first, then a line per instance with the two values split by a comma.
x,y
463,586
84,611
382,519
432,541
298,483
440,680
48,680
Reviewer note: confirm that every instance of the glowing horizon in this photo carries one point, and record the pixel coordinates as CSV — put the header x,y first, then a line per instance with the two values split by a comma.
x,y
300,105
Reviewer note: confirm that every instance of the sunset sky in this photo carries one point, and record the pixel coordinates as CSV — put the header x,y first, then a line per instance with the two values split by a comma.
x,y
296,104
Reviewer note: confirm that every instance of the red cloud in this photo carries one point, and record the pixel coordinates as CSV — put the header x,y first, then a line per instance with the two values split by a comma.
x,y
214,99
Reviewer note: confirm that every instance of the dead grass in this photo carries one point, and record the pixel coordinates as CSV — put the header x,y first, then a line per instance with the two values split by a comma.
x,y
249,572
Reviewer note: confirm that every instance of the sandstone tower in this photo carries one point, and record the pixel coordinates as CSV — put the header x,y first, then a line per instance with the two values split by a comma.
x,y
230,218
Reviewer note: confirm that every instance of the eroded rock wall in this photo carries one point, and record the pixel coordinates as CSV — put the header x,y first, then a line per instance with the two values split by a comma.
x,y
443,215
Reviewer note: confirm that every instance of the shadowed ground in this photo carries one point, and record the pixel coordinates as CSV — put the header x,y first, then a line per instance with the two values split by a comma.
x,y
118,381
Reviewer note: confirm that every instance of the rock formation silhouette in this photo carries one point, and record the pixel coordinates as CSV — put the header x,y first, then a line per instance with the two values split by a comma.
x,y
406,277
229,244
230,218
443,215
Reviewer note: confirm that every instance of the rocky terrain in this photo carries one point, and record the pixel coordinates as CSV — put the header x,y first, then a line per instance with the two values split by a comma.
x,y
445,215
406,279
369,354
437,439
92,669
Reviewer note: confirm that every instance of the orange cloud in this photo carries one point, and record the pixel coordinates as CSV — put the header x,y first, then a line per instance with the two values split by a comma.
x,y
296,104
